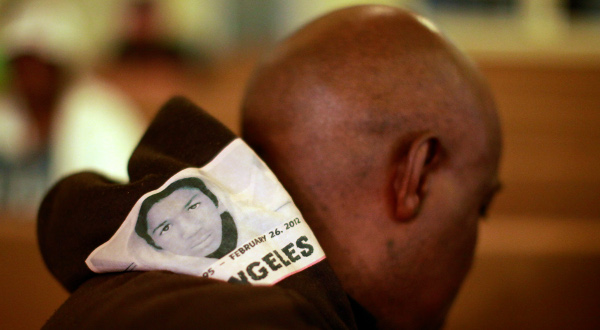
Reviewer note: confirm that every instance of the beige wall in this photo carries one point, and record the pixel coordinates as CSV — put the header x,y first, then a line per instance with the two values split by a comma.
x,y
538,261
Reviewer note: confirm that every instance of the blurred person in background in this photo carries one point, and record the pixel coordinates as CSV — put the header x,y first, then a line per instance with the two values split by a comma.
x,y
151,62
143,35
56,117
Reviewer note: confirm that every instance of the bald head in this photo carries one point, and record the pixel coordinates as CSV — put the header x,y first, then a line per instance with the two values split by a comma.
x,y
373,58
388,140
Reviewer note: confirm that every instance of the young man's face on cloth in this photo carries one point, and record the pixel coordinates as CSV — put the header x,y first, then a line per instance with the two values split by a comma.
x,y
186,222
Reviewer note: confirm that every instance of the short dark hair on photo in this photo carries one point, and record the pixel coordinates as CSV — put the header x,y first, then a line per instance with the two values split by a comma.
x,y
141,226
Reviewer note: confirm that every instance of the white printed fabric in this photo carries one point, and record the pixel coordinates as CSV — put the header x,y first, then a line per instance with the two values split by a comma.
x,y
230,220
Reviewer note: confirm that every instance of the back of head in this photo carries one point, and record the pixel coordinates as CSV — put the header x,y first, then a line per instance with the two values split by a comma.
x,y
387,138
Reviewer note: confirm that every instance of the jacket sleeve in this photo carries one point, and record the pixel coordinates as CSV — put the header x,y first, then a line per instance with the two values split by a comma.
x,y
83,211
162,300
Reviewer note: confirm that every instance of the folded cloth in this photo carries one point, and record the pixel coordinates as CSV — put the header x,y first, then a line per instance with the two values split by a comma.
x,y
187,166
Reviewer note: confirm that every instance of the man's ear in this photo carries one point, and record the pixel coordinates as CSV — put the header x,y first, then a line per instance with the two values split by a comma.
x,y
411,172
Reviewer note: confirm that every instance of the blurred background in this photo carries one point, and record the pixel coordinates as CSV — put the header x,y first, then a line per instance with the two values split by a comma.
x,y
79,80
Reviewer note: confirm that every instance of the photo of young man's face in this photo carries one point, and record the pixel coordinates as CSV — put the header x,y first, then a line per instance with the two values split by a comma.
x,y
186,222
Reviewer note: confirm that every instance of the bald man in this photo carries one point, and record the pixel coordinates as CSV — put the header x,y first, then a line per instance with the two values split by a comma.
x,y
388,140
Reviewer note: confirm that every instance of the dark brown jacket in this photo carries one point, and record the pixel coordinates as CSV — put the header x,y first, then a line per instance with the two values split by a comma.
x,y
84,210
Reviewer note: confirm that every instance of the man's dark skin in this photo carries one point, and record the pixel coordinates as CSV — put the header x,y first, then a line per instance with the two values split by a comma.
x,y
388,140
